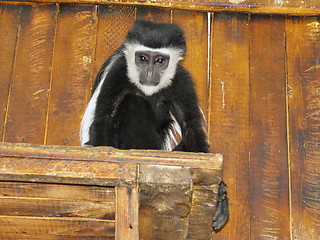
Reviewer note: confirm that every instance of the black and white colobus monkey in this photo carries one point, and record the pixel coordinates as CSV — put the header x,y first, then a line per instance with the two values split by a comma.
x,y
143,98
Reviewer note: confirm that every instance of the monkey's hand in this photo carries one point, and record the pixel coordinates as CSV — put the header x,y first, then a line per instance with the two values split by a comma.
x,y
222,210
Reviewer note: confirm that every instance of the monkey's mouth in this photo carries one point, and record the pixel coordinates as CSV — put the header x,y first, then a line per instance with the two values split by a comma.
x,y
149,84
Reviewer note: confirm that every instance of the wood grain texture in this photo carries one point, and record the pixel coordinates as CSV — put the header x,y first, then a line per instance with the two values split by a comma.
x,y
229,115
31,74
127,213
195,27
269,200
303,56
9,22
66,171
153,14
46,207
114,22
164,202
203,205
108,154
57,191
72,69
55,228
289,7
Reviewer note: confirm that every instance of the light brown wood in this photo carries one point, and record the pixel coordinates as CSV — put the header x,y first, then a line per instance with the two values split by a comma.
x,y
31,74
153,14
54,228
9,20
127,213
229,115
72,68
172,191
57,191
42,207
269,199
112,155
288,7
304,125
164,202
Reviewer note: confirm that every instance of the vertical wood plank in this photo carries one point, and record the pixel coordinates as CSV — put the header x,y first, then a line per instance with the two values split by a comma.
x,y
153,14
127,213
164,202
229,115
31,74
303,57
72,68
269,200
9,18
195,26
114,22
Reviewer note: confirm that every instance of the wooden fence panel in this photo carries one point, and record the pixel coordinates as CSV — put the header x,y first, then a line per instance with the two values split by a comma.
x,y
269,199
72,69
31,74
229,115
9,20
303,54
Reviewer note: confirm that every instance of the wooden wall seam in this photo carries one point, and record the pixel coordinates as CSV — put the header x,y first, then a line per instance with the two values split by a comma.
x,y
50,83
288,132
10,84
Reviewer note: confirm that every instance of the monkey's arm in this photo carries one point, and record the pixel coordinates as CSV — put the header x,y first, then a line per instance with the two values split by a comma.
x,y
97,124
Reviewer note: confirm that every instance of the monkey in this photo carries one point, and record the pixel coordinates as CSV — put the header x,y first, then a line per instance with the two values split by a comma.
x,y
143,98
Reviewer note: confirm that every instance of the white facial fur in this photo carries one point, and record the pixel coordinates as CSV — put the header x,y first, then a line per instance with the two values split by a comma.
x,y
166,77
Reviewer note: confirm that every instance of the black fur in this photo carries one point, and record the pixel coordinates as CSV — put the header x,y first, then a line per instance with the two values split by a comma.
x,y
126,118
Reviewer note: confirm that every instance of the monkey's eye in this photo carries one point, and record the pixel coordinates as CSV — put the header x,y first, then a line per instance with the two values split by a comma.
x,y
160,60
143,59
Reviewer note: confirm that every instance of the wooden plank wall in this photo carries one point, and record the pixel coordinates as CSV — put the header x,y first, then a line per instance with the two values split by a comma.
x,y
261,100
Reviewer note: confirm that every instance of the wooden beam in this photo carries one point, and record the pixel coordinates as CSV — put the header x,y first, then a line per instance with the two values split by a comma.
x,y
102,166
288,7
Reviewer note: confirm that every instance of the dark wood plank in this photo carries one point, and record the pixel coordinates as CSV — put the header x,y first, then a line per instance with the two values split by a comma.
x,y
269,200
229,115
292,7
164,195
9,20
55,228
114,22
46,207
127,213
57,191
31,75
72,70
195,26
303,57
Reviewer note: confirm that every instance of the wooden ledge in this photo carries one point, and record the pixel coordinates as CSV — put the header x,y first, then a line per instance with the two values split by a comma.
x,y
104,166
137,194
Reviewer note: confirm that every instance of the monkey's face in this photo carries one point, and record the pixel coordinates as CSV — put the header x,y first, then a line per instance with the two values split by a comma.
x,y
151,66
151,69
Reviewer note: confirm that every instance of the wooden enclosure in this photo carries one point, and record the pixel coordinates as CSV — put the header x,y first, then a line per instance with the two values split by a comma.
x,y
256,66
